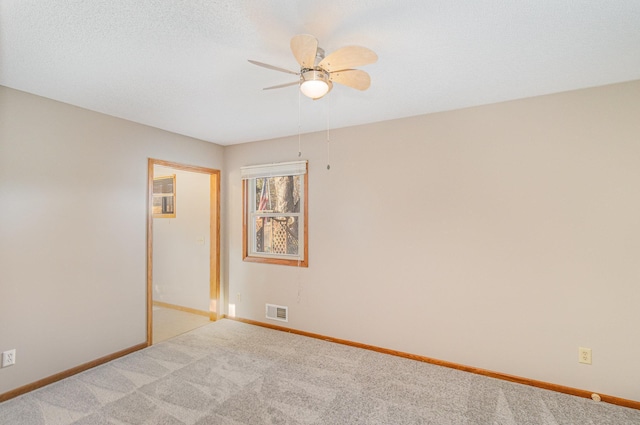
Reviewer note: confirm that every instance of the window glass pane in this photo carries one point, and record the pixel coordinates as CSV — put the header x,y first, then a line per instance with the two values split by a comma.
x,y
163,185
157,205
162,205
278,194
276,235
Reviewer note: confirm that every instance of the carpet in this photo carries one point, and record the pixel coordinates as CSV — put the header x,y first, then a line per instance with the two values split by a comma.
x,y
232,373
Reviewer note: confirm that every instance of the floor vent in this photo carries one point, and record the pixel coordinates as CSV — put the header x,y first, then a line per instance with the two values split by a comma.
x,y
277,312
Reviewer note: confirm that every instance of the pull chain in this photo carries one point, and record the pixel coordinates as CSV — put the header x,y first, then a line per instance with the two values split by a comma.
x,y
328,165
328,138
299,126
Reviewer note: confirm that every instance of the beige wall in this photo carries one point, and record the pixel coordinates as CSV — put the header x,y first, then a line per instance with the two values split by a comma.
x,y
502,237
73,185
181,244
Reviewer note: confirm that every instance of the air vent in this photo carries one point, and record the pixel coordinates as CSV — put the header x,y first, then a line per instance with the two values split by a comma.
x,y
277,312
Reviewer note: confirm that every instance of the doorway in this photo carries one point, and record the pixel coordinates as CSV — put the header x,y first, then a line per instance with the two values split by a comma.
x,y
169,199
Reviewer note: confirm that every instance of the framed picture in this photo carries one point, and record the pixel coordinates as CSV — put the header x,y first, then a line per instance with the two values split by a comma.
x,y
164,197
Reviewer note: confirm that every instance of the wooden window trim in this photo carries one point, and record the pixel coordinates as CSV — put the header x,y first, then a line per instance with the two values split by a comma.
x,y
245,230
160,195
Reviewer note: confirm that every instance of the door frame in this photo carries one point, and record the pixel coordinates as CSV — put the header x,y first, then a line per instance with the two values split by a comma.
x,y
214,239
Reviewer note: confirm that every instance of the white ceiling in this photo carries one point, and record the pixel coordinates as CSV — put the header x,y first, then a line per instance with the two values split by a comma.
x,y
182,65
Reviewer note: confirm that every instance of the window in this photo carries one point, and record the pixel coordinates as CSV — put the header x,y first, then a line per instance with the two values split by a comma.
x,y
275,213
164,197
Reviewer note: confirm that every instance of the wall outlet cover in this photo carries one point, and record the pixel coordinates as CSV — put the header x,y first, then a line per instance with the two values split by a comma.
x,y
584,355
9,358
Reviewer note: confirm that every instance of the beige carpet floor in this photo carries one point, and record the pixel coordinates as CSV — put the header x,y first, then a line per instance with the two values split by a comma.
x,y
231,373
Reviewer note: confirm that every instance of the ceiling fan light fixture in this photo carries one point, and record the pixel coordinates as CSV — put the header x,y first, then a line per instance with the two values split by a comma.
x,y
315,84
318,72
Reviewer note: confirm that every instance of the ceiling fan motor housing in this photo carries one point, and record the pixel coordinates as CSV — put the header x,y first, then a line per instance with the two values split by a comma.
x,y
315,83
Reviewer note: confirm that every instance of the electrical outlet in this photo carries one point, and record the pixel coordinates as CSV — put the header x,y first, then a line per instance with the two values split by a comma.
x,y
8,358
584,355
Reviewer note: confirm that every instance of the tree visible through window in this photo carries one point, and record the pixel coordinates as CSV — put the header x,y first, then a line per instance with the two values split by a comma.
x,y
274,227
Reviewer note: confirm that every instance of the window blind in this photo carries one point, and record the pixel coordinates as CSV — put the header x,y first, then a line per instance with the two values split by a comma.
x,y
293,168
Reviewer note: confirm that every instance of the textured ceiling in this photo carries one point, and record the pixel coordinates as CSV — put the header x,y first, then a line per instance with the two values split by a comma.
x,y
182,65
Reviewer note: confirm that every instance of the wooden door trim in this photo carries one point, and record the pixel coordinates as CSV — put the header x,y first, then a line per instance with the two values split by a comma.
x,y
214,238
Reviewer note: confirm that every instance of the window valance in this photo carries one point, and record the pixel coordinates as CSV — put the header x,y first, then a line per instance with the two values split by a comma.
x,y
293,168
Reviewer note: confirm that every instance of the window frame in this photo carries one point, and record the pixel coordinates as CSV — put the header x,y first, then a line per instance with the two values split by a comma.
x,y
165,197
248,214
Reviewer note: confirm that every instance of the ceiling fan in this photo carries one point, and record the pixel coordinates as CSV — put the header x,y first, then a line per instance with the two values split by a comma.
x,y
318,73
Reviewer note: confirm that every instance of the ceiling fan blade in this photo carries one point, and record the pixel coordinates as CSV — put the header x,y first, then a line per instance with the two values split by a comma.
x,y
348,57
275,68
279,86
353,78
304,48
